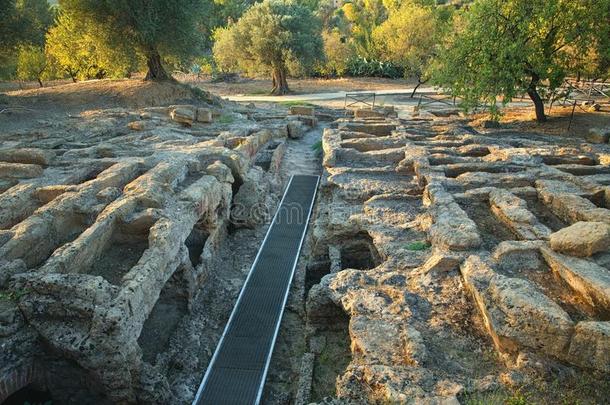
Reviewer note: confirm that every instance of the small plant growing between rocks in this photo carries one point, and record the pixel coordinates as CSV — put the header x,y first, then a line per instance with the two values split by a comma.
x,y
225,119
419,245
12,295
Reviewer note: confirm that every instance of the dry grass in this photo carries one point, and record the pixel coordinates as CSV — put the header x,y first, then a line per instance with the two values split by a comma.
x,y
523,119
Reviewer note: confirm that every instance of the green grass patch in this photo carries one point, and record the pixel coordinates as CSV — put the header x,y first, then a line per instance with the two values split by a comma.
x,y
419,245
258,93
295,103
225,119
317,146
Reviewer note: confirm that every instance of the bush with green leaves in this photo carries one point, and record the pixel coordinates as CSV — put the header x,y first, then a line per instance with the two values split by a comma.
x,y
22,23
85,51
33,64
337,52
410,37
360,66
275,37
504,48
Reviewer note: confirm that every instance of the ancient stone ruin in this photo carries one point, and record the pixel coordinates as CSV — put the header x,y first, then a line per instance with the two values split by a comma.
x,y
440,261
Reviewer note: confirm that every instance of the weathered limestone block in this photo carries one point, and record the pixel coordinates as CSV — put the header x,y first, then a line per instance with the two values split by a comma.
x,y
586,278
377,340
301,110
582,239
9,269
598,135
296,129
20,170
379,129
221,172
49,193
515,312
570,207
513,211
590,346
504,180
140,125
16,204
204,115
362,113
35,156
249,206
452,228
183,115
309,120
250,145
441,263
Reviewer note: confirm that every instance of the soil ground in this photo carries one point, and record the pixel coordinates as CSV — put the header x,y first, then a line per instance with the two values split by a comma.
x,y
247,86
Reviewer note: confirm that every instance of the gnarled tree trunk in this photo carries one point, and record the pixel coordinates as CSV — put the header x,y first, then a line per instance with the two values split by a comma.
x,y
532,91
280,84
155,67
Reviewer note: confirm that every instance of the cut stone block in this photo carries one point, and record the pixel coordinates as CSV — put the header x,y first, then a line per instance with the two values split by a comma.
x,y
590,346
582,239
586,278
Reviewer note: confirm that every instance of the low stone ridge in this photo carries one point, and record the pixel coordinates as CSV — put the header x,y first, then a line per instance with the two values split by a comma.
x,y
110,229
460,224
582,239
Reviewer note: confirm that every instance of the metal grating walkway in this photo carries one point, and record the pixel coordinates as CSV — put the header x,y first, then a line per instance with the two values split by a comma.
x,y
237,371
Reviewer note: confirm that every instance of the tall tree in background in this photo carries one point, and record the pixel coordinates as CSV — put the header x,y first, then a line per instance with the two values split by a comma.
x,y
22,23
84,50
275,37
410,37
155,28
507,47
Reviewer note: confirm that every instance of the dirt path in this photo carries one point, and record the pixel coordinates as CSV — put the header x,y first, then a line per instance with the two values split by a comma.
x,y
302,156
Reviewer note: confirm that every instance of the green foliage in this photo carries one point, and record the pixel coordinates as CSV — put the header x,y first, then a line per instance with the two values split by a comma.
x,y
86,51
274,36
338,51
409,38
360,66
31,63
292,103
508,47
22,23
363,16
418,245
151,27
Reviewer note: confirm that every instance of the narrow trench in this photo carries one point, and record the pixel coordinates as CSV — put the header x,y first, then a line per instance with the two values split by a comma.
x,y
163,320
492,230
195,243
29,395
330,342
123,251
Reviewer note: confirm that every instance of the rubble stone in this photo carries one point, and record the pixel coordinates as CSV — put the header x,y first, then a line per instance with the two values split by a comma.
x,y
582,239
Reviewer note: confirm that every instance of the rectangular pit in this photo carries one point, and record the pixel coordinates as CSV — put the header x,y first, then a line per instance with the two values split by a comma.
x,y
163,321
491,229
122,250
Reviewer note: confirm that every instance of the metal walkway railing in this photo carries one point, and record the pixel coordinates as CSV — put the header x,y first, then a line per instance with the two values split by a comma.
x,y
236,374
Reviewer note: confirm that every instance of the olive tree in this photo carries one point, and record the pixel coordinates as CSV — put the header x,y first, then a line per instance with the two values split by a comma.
x,y
86,51
274,37
502,48
155,28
